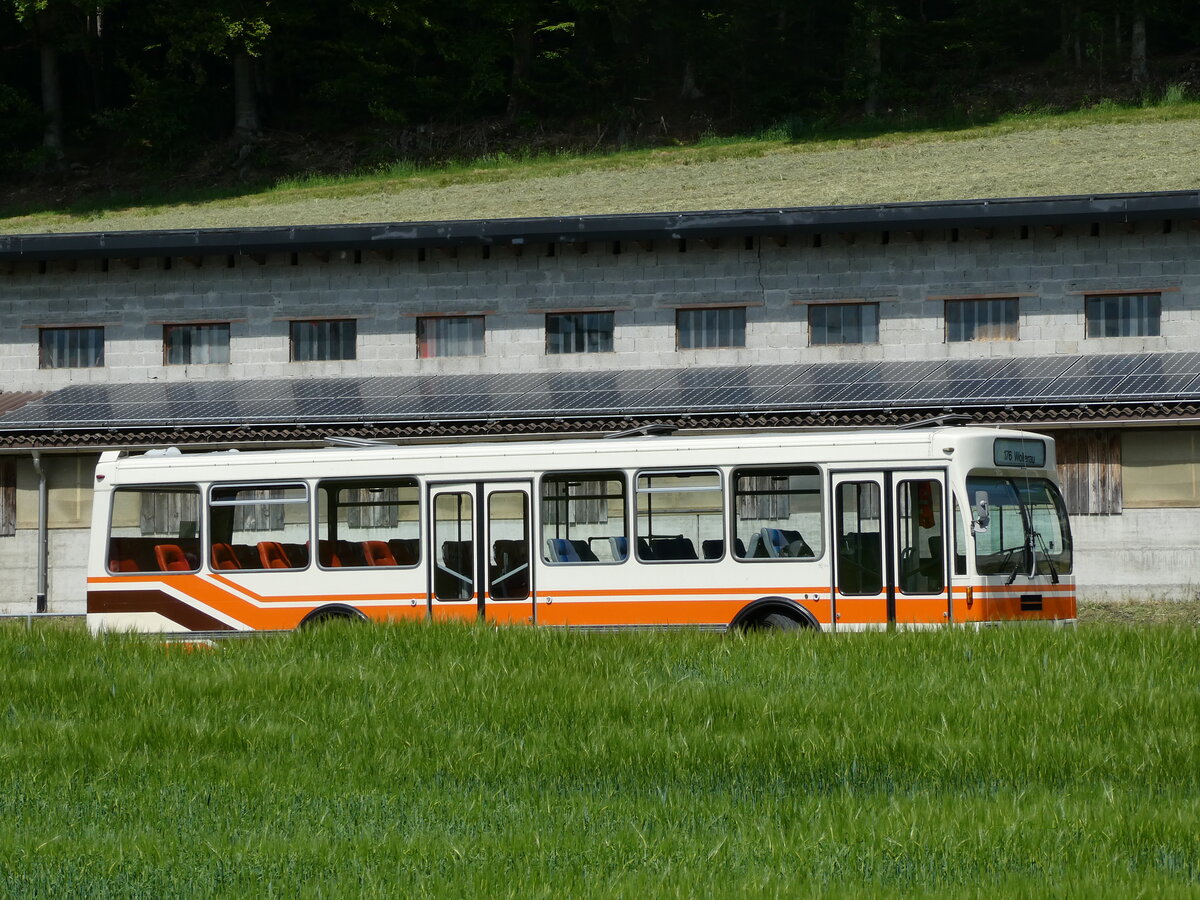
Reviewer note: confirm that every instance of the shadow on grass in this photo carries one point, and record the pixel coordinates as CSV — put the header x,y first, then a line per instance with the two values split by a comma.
x,y
94,205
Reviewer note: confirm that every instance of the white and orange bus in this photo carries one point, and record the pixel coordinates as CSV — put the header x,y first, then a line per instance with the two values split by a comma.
x,y
829,530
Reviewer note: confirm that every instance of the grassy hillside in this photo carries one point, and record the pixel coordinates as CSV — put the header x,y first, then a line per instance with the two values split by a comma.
x,y
1103,149
472,762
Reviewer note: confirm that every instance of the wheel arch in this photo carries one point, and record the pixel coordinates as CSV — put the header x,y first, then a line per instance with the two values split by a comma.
x,y
330,612
753,613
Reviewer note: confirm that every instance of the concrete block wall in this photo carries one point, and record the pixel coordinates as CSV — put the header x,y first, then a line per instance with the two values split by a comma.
x,y
909,276
1141,554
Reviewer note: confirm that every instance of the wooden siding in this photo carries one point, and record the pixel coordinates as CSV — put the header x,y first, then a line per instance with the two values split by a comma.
x,y
8,497
1089,469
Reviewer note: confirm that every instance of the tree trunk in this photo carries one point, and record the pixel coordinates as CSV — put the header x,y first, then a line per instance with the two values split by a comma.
x,y
687,88
52,106
245,97
874,71
522,38
1137,47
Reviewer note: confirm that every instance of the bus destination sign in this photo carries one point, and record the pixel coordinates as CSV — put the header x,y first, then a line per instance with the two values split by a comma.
x,y
1023,452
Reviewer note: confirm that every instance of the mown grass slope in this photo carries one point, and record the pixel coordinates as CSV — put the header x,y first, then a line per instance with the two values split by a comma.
x,y
1099,150
460,761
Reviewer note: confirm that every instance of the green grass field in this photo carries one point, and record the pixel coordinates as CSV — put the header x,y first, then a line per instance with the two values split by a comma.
x,y
465,761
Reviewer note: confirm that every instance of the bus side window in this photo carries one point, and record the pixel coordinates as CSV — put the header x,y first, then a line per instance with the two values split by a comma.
x,y
368,523
154,530
583,517
258,526
680,515
777,513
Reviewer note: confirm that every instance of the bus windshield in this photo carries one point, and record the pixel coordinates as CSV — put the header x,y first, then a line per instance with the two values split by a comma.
x,y
1025,516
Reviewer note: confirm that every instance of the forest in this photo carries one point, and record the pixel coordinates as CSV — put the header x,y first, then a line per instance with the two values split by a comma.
x,y
157,84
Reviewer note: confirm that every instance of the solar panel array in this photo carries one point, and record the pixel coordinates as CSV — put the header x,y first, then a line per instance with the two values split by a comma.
x,y
801,387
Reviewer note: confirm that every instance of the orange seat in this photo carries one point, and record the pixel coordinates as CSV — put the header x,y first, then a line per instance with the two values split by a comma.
x,y
123,565
171,558
378,553
223,557
272,556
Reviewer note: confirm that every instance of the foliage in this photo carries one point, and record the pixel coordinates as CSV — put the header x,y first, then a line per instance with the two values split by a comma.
x,y
158,77
427,760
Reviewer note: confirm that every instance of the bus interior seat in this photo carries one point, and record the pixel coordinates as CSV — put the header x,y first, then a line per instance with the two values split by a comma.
x,y
758,548
326,555
565,550
378,553
349,553
297,555
171,558
406,551
644,550
714,548
785,542
619,547
223,557
675,547
271,556
246,555
560,550
584,552
123,564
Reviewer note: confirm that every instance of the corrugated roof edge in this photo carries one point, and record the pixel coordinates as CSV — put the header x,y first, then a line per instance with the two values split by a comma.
x,y
1034,417
982,213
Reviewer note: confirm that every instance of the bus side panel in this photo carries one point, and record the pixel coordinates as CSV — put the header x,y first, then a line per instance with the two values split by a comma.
x,y
1015,603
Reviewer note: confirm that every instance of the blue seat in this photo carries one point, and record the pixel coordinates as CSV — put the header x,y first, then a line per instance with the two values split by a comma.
x,y
561,550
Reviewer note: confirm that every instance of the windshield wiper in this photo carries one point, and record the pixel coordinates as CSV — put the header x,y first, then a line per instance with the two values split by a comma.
x,y
1046,553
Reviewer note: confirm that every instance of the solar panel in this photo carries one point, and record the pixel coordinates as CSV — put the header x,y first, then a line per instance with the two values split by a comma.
x,y
581,393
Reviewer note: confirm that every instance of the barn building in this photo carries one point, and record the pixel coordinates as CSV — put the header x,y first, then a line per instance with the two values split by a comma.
x,y
1076,316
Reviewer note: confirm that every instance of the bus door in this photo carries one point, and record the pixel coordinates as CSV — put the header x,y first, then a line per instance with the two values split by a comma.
x,y
920,547
890,548
479,540
861,568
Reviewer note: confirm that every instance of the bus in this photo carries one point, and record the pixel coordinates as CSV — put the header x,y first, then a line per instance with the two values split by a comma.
x,y
831,531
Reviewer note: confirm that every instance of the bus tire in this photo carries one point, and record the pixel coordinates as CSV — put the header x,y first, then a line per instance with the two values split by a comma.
x,y
334,612
779,622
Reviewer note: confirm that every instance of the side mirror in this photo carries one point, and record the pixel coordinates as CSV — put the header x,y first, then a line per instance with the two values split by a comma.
x,y
983,515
